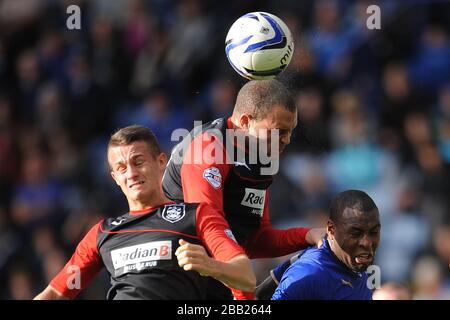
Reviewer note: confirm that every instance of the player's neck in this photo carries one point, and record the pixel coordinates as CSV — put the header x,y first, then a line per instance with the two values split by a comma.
x,y
335,249
151,202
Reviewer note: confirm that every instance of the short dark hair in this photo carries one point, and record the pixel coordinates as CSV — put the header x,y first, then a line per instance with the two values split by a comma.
x,y
353,199
259,97
130,134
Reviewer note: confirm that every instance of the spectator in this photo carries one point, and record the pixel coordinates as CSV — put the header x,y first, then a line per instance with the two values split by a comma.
x,y
37,198
20,284
430,68
427,280
392,291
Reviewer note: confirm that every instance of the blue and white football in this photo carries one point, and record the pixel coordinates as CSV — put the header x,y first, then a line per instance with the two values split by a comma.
x,y
259,45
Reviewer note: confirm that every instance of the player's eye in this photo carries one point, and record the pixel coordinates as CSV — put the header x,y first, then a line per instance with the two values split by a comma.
x,y
121,168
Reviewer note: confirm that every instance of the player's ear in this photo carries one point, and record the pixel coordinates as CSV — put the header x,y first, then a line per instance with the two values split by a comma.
x,y
111,170
244,120
330,228
114,177
162,160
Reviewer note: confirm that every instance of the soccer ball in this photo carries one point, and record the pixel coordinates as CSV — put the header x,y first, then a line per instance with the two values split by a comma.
x,y
259,45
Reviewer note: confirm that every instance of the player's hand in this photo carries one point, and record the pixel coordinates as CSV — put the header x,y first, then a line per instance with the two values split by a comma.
x,y
315,236
194,257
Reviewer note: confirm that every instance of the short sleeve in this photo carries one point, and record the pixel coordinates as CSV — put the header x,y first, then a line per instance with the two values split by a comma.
x,y
301,282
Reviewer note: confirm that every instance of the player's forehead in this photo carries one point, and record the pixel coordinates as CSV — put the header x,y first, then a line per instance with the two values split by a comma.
x,y
280,117
120,153
362,220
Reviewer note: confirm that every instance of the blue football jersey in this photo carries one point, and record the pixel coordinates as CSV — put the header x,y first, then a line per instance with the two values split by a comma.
x,y
318,275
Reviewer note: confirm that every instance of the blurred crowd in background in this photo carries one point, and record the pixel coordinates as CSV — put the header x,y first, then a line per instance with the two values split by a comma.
x,y
374,114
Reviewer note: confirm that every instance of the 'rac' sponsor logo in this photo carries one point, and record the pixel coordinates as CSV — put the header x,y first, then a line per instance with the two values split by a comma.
x,y
254,198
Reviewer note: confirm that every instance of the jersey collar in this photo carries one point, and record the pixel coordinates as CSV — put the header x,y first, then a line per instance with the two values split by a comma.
x,y
149,209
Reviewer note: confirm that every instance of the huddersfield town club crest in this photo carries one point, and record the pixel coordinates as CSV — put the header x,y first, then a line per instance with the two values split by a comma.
x,y
173,213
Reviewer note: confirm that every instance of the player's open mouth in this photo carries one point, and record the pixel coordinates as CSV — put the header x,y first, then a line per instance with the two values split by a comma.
x,y
136,184
365,258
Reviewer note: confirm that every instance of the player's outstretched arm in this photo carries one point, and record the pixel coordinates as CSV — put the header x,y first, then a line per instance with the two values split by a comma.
x,y
50,293
79,271
236,273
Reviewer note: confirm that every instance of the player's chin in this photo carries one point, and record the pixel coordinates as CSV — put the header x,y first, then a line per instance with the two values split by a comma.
x,y
361,267
140,194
